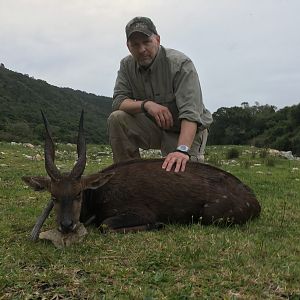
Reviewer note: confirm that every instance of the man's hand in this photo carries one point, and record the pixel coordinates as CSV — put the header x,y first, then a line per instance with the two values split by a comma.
x,y
161,114
175,158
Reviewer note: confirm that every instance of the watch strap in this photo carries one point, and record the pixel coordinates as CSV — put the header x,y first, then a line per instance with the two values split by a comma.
x,y
143,106
184,152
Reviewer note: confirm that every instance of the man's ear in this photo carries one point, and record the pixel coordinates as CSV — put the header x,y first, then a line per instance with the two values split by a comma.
x,y
38,183
95,181
157,37
128,46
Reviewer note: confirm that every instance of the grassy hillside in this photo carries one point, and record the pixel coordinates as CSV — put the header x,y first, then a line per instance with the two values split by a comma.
x,y
259,260
22,98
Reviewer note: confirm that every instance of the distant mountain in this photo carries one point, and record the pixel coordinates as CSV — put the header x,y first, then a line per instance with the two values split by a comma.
x,y
23,97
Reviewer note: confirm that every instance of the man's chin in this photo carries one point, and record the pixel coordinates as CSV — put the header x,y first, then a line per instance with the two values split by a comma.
x,y
145,63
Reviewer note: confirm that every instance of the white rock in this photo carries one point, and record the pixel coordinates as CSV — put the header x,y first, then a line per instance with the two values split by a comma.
x,y
28,145
287,154
28,156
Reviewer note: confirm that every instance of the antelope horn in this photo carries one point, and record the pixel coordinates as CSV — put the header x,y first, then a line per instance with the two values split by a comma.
x,y
81,151
39,223
50,167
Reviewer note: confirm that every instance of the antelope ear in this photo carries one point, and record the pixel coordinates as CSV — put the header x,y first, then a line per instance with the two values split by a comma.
x,y
38,183
95,181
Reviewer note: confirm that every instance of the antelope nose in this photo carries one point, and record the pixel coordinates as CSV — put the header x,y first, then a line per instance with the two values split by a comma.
x,y
66,226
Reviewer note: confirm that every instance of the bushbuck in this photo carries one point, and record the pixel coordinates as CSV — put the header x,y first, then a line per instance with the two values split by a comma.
x,y
139,194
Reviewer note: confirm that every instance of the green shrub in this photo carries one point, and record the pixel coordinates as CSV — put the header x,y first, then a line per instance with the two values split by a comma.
x,y
232,153
264,153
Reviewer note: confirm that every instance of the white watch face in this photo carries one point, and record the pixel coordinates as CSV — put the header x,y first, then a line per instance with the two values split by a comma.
x,y
183,148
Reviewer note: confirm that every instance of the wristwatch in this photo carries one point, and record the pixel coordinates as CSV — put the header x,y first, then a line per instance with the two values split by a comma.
x,y
183,149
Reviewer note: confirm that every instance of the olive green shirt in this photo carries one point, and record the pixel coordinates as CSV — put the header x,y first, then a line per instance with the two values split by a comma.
x,y
171,80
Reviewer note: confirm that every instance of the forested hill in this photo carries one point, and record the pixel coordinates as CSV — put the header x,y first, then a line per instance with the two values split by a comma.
x,y
22,98
258,125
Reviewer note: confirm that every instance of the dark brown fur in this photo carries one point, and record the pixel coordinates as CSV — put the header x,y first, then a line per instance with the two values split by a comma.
x,y
140,195
141,192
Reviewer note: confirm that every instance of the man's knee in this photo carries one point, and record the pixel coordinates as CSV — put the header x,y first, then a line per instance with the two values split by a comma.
x,y
117,117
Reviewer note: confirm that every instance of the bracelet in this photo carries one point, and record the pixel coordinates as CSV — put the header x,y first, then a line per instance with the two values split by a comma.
x,y
143,106
184,152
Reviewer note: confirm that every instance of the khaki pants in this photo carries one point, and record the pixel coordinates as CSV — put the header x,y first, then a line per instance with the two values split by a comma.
x,y
128,133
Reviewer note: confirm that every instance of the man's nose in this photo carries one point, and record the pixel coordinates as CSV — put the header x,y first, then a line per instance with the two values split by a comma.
x,y
141,49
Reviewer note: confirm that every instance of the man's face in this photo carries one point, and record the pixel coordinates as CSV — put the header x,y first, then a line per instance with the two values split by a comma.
x,y
143,48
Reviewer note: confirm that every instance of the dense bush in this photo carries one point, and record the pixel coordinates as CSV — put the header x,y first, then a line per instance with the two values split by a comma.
x,y
232,153
259,125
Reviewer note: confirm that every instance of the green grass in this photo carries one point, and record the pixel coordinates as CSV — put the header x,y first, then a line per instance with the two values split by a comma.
x,y
260,260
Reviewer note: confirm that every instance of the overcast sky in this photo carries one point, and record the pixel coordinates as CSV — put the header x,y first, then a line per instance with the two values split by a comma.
x,y
244,50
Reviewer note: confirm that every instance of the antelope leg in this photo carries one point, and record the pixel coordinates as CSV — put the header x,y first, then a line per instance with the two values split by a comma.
x,y
129,222
145,227
39,223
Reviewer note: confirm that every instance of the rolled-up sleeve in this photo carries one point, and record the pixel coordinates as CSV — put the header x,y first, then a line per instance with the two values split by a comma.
x,y
189,96
122,89
188,93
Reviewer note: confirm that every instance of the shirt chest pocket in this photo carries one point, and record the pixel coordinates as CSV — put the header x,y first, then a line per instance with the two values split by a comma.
x,y
164,99
169,101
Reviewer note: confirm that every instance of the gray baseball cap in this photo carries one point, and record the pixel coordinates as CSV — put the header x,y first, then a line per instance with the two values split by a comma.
x,y
140,24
